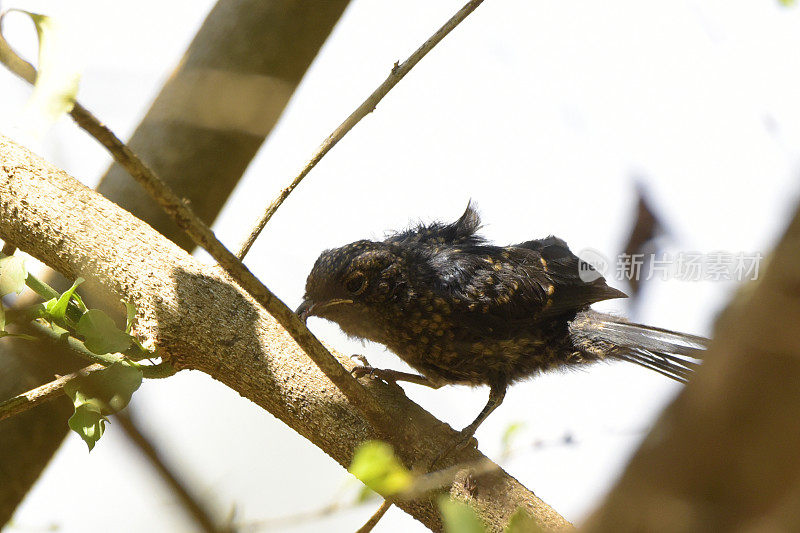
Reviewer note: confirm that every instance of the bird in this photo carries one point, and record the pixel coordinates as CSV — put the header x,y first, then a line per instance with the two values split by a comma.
x,y
461,310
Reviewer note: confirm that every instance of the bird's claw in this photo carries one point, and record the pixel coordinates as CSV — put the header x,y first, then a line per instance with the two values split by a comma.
x,y
462,442
364,369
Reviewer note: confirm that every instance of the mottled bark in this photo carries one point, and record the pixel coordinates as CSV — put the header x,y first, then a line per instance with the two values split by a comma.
x,y
199,319
200,134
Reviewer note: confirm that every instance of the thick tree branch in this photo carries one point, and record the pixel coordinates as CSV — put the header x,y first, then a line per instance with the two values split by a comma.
x,y
200,134
202,235
200,319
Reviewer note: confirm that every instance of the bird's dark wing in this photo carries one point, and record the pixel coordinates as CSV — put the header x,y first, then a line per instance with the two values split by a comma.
x,y
534,280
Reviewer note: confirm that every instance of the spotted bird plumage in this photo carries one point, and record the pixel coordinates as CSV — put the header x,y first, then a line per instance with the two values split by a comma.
x,y
461,310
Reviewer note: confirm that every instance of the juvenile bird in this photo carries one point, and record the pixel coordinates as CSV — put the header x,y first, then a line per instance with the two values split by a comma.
x,y
460,310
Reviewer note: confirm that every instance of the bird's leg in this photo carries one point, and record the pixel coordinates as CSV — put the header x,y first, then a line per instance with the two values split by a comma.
x,y
496,395
391,376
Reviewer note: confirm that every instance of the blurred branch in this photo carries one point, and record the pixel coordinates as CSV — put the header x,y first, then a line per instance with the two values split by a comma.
x,y
191,502
273,524
368,106
222,100
641,242
723,456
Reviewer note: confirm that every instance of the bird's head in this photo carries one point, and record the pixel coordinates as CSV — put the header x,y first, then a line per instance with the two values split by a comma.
x,y
349,284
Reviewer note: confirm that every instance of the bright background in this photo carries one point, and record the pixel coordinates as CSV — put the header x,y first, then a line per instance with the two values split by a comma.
x,y
543,113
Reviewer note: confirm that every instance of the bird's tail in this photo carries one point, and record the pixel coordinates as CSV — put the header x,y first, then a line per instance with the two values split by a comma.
x,y
600,336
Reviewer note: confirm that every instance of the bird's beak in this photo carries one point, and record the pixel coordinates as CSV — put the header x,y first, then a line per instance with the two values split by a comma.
x,y
305,310
309,308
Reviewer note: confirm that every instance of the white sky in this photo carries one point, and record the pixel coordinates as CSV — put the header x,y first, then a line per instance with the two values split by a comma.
x,y
541,112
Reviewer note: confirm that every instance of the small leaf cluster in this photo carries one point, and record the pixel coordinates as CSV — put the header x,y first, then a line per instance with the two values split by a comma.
x,y
100,393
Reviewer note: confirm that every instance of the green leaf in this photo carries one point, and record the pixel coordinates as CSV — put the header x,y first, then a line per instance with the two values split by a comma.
x,y
57,308
89,423
375,464
100,394
12,275
522,522
509,434
130,315
110,388
459,517
787,3
100,333
57,75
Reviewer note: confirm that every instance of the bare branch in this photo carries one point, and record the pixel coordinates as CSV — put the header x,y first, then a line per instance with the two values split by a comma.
x,y
723,456
191,502
375,518
28,400
368,106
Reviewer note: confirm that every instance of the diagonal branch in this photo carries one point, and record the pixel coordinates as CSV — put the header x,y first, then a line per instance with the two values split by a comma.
x,y
28,400
200,319
202,235
199,510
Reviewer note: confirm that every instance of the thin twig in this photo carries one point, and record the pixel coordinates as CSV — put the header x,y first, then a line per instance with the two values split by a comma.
x,y
27,400
426,483
202,236
375,518
368,106
30,399
55,388
75,345
192,503
273,524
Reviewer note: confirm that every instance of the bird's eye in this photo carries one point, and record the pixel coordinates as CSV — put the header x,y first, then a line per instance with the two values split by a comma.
x,y
356,284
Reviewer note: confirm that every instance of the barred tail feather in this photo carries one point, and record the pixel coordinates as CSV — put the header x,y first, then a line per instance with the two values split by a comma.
x,y
672,354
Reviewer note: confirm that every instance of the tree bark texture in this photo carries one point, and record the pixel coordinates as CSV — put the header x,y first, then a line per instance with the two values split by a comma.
x,y
198,318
